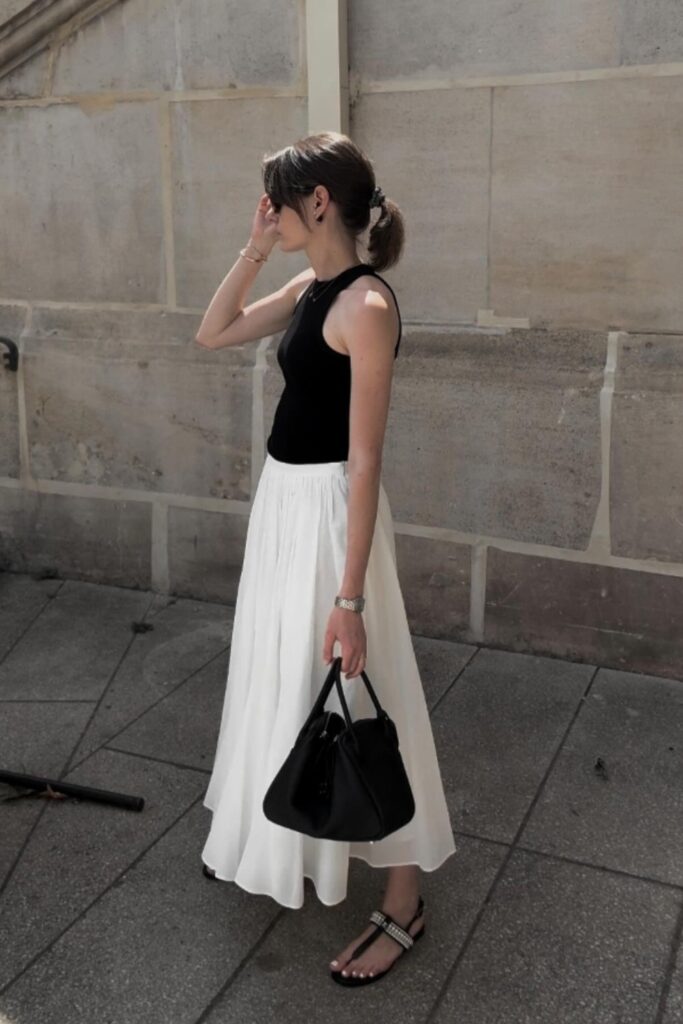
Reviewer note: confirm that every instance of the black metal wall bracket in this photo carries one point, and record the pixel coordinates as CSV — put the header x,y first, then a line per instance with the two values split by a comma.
x,y
10,359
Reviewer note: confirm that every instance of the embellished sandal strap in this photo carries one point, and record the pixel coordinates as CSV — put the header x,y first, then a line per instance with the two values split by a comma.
x,y
393,930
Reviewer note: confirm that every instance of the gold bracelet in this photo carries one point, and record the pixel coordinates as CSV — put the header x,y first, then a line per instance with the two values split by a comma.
x,y
252,259
250,243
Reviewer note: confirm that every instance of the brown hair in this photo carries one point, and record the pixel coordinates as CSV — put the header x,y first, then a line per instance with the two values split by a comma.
x,y
335,161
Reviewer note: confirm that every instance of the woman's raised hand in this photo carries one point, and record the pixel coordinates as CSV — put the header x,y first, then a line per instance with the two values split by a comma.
x,y
263,228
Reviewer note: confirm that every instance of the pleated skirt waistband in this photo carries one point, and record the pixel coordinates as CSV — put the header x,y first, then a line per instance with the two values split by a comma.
x,y
307,469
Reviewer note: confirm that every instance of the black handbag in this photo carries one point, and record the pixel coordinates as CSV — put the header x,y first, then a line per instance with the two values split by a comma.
x,y
342,780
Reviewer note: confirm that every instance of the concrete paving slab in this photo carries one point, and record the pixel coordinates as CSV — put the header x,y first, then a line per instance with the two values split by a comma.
x,y
182,727
496,732
35,739
80,847
287,979
22,598
186,722
439,663
186,635
564,943
673,1011
154,949
74,647
632,819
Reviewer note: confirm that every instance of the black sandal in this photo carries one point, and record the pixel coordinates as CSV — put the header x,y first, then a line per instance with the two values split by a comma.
x,y
384,923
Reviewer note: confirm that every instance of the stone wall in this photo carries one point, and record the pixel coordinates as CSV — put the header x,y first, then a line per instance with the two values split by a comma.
x,y
533,458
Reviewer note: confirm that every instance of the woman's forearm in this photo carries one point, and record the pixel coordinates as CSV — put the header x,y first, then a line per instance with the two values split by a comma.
x,y
362,507
230,296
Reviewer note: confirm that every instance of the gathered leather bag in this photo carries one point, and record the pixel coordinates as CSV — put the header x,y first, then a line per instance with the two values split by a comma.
x,y
342,780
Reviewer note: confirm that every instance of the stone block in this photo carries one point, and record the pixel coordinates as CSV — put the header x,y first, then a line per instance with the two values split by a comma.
x,y
95,539
441,39
435,581
138,409
496,732
26,80
85,221
564,943
440,181
586,203
651,32
498,434
206,551
647,456
154,44
12,319
628,816
217,148
619,618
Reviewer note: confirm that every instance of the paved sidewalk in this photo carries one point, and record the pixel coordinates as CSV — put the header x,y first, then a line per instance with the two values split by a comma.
x,y
563,904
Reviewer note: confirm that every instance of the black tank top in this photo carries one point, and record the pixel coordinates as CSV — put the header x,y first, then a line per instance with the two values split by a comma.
x,y
311,421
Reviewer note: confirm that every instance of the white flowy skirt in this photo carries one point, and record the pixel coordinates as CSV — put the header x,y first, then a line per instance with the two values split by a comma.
x,y
292,569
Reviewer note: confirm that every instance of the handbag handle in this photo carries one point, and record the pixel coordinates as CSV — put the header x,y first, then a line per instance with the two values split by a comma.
x,y
334,678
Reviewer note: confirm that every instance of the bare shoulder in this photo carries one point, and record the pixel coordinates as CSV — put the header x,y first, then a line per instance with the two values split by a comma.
x,y
367,298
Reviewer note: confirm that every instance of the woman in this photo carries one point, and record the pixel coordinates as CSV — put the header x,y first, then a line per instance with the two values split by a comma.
x,y
319,566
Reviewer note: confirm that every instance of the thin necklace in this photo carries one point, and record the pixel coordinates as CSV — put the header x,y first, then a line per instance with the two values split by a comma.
x,y
314,295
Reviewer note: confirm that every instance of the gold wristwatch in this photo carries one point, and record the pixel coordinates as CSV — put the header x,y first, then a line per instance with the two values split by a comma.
x,y
354,604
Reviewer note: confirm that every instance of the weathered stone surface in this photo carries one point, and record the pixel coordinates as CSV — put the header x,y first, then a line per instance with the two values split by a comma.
x,y
564,943
614,617
628,817
26,80
205,553
101,540
157,44
569,159
102,238
217,150
406,40
441,184
647,454
651,32
8,8
435,581
498,434
12,319
135,411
